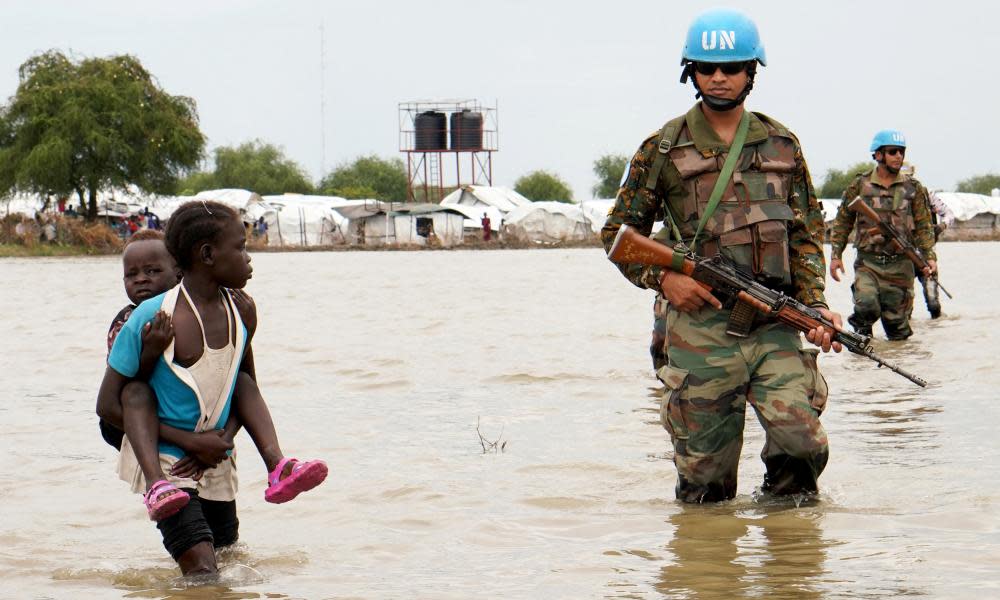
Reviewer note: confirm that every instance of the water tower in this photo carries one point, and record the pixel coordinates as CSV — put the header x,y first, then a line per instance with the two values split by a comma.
x,y
430,131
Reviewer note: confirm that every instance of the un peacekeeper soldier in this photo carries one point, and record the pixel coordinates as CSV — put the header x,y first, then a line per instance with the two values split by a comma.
x,y
883,277
767,222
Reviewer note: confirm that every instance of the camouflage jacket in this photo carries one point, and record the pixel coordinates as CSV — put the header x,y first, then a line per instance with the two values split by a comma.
x,y
770,199
905,203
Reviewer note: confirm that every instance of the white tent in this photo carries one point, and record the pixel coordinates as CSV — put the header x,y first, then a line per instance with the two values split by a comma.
x,y
481,196
548,222
473,220
375,223
967,206
304,220
596,211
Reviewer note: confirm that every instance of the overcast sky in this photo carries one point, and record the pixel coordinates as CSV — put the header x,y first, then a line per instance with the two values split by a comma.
x,y
573,79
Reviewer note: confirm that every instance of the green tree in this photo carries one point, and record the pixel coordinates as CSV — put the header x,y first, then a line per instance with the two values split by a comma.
x,y
368,177
259,167
542,185
836,181
197,182
609,169
92,125
256,166
979,184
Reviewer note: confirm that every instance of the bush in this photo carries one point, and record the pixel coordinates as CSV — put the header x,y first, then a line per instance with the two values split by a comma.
x,y
95,237
542,185
979,184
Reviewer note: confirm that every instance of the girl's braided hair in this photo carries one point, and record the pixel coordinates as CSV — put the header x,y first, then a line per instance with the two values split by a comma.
x,y
194,223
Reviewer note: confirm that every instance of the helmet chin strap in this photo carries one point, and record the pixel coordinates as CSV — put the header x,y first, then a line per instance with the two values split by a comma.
x,y
714,102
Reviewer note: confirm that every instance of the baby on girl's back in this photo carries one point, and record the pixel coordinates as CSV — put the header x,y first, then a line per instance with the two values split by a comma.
x,y
180,383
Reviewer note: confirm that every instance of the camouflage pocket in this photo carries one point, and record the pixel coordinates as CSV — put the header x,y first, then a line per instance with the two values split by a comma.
x,y
671,409
816,387
771,250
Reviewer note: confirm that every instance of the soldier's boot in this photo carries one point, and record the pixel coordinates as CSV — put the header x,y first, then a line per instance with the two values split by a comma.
x,y
695,493
931,297
860,325
897,331
791,475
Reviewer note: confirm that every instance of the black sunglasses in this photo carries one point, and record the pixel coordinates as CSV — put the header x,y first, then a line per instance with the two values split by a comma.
x,y
895,151
728,68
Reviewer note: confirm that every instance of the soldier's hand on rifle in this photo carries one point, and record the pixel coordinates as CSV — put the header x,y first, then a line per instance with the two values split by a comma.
x,y
686,294
823,338
836,265
931,268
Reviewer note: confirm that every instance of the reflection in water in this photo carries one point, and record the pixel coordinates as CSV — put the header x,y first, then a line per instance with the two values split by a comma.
x,y
759,551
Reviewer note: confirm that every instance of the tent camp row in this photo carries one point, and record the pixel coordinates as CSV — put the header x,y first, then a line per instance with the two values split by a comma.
x,y
514,216
307,220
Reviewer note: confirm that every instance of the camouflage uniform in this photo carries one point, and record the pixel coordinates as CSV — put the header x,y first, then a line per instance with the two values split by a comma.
x,y
767,222
883,278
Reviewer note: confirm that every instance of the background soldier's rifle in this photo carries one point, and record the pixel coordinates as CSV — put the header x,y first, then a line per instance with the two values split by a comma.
x,y
740,292
898,240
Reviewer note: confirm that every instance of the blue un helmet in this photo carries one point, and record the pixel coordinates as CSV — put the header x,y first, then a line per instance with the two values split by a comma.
x,y
888,137
722,35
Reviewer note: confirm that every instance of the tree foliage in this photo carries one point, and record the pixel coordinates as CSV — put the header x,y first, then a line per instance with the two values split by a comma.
x,y
368,177
979,184
609,169
93,125
542,185
836,181
255,166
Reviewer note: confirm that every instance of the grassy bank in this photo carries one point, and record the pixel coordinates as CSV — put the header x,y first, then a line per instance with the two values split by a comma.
x,y
42,249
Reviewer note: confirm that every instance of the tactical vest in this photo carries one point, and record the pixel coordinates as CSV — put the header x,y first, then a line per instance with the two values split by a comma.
x,y
750,224
894,204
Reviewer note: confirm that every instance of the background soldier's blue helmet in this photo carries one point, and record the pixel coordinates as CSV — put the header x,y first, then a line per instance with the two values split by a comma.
x,y
888,137
723,35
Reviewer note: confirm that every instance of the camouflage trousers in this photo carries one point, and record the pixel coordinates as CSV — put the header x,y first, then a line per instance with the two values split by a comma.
x,y
883,290
709,379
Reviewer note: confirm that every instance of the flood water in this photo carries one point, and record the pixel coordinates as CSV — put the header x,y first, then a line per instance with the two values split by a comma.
x,y
385,363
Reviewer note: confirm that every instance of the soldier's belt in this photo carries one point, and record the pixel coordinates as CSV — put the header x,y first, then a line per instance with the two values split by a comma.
x,y
882,259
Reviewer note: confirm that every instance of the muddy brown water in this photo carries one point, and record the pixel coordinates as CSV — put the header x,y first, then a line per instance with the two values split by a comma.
x,y
385,364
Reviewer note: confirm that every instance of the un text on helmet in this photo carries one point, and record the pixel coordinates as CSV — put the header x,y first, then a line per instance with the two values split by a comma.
x,y
724,40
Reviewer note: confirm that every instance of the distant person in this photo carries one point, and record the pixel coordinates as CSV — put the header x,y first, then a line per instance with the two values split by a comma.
x,y
487,232
71,212
942,218
883,276
132,226
262,229
179,455
152,221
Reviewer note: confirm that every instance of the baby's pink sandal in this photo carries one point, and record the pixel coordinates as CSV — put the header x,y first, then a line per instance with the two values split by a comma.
x,y
160,504
304,476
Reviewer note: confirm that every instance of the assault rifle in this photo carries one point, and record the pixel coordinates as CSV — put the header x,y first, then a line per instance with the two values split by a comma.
x,y
898,240
740,292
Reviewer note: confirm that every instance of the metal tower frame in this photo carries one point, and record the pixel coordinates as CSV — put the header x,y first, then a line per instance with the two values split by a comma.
x,y
426,169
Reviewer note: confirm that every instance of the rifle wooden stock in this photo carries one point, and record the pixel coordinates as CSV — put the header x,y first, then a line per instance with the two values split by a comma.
x,y
631,247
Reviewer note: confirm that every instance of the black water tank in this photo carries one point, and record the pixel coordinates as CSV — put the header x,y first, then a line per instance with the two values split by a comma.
x,y
432,131
466,130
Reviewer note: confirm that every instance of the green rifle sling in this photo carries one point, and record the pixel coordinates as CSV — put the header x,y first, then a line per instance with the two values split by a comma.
x,y
727,172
